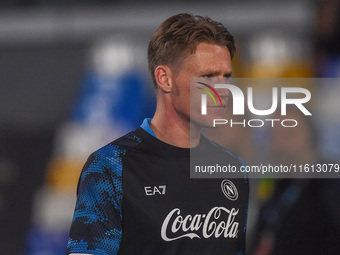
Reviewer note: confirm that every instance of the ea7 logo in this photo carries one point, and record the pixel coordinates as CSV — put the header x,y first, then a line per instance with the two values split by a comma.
x,y
155,190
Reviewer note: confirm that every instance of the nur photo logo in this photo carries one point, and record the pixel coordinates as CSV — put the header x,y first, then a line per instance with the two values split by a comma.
x,y
281,98
204,97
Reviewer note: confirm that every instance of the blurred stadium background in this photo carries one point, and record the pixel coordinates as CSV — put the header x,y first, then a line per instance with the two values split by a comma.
x,y
73,76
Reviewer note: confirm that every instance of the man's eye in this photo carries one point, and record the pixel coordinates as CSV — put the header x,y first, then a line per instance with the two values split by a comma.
x,y
227,78
207,76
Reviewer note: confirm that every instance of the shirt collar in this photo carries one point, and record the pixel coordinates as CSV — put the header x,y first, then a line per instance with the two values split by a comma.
x,y
146,126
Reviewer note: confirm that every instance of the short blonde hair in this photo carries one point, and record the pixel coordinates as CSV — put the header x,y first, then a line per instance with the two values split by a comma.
x,y
180,34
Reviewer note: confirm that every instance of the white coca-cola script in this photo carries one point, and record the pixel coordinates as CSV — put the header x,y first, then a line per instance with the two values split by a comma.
x,y
219,221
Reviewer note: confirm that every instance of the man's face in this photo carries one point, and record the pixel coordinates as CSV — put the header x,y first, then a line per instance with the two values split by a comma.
x,y
212,64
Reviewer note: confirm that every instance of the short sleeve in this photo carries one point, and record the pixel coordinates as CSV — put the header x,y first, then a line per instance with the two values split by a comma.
x,y
97,222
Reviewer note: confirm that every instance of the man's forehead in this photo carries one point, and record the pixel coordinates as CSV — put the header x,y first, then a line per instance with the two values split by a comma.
x,y
208,52
212,60
207,57
205,48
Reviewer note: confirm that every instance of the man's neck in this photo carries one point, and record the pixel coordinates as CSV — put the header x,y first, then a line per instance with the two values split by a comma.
x,y
174,129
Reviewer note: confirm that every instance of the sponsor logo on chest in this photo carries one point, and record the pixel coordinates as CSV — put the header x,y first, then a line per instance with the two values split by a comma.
x,y
218,222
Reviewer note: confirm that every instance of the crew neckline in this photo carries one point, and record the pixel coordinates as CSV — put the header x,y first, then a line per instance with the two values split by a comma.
x,y
148,134
146,126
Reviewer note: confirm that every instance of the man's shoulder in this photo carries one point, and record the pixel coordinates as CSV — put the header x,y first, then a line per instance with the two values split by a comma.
x,y
113,152
118,148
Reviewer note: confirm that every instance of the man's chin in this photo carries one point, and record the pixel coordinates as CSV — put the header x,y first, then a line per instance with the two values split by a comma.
x,y
205,121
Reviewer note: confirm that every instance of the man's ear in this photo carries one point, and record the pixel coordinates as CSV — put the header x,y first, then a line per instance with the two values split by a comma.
x,y
163,78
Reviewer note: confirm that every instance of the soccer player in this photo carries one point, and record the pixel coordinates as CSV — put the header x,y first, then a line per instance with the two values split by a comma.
x,y
135,195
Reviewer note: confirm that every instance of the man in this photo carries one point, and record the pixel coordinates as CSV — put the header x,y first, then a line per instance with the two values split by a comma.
x,y
135,195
